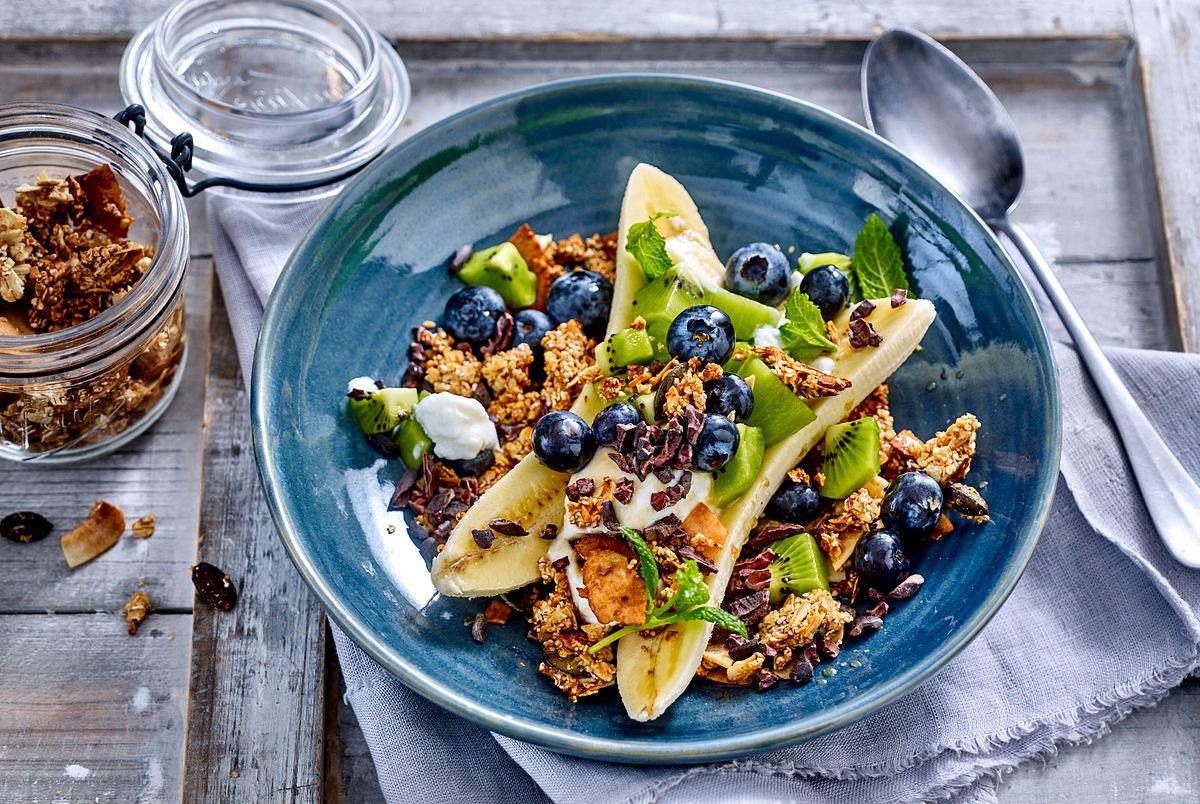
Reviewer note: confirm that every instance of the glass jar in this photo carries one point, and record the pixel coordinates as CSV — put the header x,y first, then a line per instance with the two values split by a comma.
x,y
86,389
274,93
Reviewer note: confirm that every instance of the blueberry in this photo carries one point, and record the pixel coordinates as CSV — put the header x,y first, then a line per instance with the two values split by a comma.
x,y
472,467
563,441
604,426
716,444
912,505
471,314
796,503
701,331
581,295
730,396
759,271
529,327
828,288
879,556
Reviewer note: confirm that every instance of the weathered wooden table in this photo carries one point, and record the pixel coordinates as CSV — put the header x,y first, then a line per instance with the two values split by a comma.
x,y
246,706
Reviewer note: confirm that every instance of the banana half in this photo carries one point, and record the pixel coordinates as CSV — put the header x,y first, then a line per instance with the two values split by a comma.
x,y
530,494
653,671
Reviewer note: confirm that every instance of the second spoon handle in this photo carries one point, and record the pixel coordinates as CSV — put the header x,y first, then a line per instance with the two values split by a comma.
x,y
1172,496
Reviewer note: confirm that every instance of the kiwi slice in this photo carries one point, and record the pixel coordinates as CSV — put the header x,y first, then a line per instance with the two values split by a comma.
x,y
381,410
746,315
661,300
645,406
413,442
736,477
777,411
631,346
669,295
503,269
851,457
799,567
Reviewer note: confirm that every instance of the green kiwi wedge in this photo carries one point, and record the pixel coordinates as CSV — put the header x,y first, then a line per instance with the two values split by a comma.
x,y
777,411
799,567
851,457
630,346
736,477
503,269
382,409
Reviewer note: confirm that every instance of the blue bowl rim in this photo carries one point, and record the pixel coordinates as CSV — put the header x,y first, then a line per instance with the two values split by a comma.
x,y
562,739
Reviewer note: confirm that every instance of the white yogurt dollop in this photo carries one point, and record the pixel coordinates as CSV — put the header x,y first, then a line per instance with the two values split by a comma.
x,y
364,384
458,426
767,335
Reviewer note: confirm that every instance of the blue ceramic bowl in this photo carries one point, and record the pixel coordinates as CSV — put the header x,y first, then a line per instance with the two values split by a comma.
x,y
761,166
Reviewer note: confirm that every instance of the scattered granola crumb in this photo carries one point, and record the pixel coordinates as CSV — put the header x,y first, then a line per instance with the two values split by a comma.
x,y
136,610
803,379
143,527
449,368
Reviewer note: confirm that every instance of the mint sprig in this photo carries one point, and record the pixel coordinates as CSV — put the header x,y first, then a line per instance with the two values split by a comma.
x,y
687,603
803,334
878,265
648,247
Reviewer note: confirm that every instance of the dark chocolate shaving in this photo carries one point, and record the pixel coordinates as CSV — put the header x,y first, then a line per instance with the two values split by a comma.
x,y
751,608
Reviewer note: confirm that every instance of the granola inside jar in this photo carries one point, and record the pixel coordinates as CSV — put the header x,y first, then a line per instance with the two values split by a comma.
x,y
93,251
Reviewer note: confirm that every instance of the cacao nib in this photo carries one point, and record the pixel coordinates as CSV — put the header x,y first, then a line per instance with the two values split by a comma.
x,y
384,445
623,462
899,297
865,624
879,610
812,654
608,516
659,500
757,579
560,563
760,561
623,490
746,649
688,553
907,588
751,608
862,310
479,628
828,649
766,680
769,534
802,671
550,532
625,436
663,474
864,334
507,527
582,487
695,423
483,537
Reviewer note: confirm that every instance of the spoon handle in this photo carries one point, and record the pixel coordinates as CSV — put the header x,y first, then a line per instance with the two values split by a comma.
x,y
1172,496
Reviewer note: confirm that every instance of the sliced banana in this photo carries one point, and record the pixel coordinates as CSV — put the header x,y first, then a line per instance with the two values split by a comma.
x,y
530,494
653,671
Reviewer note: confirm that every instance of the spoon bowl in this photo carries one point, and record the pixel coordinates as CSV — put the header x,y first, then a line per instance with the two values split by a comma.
x,y
930,105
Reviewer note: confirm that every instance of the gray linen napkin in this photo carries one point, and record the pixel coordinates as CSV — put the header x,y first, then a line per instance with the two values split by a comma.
x,y
1103,622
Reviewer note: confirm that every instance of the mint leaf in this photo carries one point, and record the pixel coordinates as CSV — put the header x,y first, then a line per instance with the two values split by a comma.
x,y
690,590
803,333
649,248
878,266
647,566
807,262
713,615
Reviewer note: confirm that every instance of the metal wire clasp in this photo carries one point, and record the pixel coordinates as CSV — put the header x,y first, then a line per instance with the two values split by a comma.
x,y
179,162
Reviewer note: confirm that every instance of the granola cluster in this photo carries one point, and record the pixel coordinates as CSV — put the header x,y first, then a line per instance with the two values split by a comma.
x,y
65,257
804,380
564,642
790,638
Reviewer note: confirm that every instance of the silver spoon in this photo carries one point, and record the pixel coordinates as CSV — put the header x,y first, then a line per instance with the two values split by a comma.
x,y
929,104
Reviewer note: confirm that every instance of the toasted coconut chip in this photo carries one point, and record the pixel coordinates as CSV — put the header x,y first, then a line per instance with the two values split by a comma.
x,y
100,531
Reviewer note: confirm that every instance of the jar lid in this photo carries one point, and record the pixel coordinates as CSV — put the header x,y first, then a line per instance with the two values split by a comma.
x,y
273,92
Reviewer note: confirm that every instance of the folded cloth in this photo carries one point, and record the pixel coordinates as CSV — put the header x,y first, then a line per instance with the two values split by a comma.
x,y
1103,622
